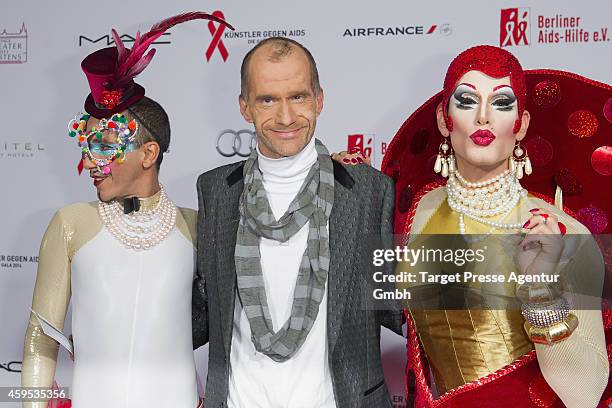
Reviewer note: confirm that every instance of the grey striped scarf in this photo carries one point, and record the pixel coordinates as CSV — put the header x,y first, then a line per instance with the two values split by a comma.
x,y
312,204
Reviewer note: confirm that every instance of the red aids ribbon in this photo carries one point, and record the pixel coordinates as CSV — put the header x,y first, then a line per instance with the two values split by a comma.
x,y
216,32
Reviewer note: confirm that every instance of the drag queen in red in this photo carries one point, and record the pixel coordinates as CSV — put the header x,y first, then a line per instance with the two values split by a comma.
x,y
497,151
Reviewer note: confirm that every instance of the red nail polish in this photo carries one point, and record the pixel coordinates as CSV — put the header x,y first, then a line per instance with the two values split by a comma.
x,y
525,226
544,215
345,160
360,160
563,228
353,160
534,210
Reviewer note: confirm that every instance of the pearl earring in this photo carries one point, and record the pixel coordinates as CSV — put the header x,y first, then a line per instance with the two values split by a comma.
x,y
519,161
445,161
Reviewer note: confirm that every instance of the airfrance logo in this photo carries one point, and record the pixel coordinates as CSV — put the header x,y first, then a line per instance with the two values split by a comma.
x,y
398,31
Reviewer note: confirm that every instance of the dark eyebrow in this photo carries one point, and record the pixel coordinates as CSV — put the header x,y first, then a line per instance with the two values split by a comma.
x,y
305,92
261,98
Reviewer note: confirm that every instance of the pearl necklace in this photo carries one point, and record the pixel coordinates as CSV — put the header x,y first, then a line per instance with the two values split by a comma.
x,y
479,201
139,230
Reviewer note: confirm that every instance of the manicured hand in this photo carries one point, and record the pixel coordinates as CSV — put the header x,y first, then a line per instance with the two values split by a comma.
x,y
353,157
540,250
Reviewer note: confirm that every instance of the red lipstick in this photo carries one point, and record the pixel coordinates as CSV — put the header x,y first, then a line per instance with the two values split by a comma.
x,y
482,137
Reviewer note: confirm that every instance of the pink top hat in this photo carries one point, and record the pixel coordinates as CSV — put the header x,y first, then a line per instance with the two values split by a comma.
x,y
111,71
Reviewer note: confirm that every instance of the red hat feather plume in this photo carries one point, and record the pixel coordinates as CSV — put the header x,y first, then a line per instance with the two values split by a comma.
x,y
132,62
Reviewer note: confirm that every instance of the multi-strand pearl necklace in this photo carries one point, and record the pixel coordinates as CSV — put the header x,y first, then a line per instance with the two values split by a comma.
x,y
482,200
139,230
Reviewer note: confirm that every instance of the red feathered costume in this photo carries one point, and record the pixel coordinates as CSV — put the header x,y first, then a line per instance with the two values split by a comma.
x,y
570,145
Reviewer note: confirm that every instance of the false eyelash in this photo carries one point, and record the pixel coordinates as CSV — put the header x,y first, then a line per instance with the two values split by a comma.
x,y
463,106
504,105
465,102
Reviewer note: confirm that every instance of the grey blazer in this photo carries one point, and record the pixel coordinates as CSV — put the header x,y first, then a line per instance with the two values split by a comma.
x,y
363,206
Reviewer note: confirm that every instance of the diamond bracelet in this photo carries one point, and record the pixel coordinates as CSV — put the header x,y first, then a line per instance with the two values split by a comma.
x,y
545,315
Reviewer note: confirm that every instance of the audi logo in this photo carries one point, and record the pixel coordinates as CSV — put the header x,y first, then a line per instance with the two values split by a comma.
x,y
236,143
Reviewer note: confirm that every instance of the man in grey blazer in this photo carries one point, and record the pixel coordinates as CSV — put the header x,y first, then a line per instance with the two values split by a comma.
x,y
283,293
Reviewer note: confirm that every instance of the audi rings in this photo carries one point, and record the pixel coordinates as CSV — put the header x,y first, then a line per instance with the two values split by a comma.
x,y
236,143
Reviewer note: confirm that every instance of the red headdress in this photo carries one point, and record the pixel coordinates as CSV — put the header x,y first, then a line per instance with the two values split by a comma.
x,y
493,61
568,139
111,71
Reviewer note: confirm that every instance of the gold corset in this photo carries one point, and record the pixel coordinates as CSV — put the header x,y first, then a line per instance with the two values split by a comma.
x,y
464,345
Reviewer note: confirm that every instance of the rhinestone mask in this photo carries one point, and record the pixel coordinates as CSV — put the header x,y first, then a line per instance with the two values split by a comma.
x,y
110,140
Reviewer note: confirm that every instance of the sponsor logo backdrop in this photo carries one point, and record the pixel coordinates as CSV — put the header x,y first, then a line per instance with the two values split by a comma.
x,y
377,65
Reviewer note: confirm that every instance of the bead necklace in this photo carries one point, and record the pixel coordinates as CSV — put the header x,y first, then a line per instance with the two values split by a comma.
x,y
139,230
482,200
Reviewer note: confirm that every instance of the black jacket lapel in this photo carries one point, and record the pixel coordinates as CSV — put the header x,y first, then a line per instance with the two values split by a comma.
x,y
226,268
342,242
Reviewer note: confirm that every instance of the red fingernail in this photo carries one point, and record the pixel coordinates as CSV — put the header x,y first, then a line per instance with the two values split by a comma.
x,y
534,210
353,160
345,160
563,228
525,226
544,215
360,160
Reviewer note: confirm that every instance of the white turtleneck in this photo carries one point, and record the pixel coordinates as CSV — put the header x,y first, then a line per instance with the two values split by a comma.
x,y
303,381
